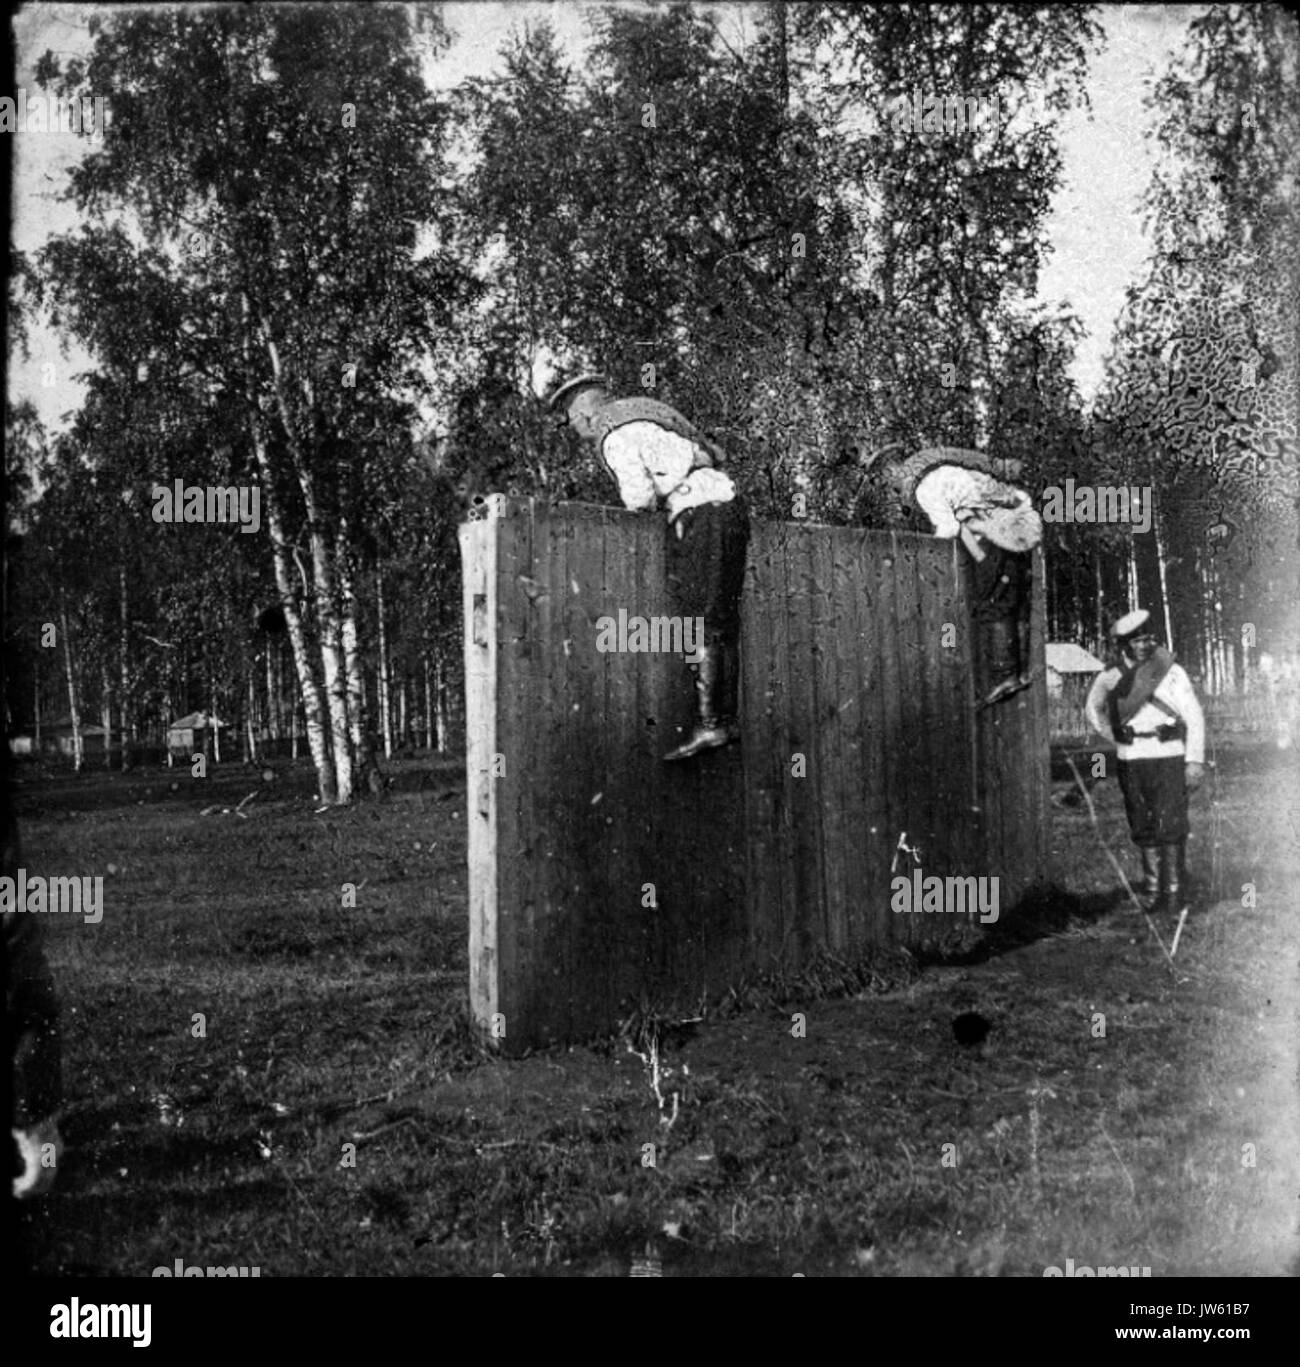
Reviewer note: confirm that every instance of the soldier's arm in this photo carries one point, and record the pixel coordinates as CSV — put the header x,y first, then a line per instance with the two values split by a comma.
x,y
1184,700
936,503
624,459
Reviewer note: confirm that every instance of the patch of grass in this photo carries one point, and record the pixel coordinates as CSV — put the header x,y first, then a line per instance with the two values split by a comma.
x,y
335,1113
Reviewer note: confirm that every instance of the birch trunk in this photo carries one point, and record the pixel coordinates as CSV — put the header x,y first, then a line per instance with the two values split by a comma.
x,y
272,692
124,645
213,727
313,704
440,692
324,582
1100,596
73,712
355,681
1164,577
385,719
428,707
249,722
106,718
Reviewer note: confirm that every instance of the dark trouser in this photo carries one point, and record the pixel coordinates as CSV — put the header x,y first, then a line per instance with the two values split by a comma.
x,y
1001,587
1155,798
706,566
706,574
1003,583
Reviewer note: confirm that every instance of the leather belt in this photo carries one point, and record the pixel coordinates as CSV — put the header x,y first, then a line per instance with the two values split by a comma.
x,y
1175,731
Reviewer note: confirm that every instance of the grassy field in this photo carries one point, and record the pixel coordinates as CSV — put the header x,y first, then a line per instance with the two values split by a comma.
x,y
876,1145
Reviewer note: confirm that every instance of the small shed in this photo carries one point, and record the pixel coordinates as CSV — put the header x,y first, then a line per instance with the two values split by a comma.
x,y
1067,662
193,733
1070,672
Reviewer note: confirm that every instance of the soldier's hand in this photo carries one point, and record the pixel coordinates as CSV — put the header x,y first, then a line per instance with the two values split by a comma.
x,y
39,1163
1195,776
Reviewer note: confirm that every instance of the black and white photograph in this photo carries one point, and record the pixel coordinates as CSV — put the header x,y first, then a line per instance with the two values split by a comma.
x,y
652,640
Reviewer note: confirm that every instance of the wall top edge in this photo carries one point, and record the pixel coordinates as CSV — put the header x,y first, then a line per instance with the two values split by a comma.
x,y
498,507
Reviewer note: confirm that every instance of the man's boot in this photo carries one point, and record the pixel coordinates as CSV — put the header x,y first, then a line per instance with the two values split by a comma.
x,y
1150,875
1171,879
1000,662
709,731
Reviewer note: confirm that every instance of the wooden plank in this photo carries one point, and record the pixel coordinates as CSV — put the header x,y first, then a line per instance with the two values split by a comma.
x,y
548,945
515,788
586,771
766,868
874,669
804,806
859,711
478,568
786,740
626,804
836,698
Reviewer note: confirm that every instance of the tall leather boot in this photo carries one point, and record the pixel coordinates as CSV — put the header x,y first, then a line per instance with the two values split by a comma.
x,y
709,732
1171,879
1150,875
1000,662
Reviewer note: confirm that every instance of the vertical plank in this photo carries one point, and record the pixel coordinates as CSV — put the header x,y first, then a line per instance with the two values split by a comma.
x,y
765,867
622,797
516,871
588,770
802,729
875,646
478,567
837,709
858,708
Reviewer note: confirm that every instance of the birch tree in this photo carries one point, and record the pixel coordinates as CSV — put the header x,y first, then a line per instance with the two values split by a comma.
x,y
284,276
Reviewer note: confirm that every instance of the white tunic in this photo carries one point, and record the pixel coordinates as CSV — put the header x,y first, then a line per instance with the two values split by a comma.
x,y
652,464
1176,690
951,494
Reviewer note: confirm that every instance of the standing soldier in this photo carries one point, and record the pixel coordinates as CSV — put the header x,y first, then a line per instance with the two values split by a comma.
x,y
659,459
970,495
1148,708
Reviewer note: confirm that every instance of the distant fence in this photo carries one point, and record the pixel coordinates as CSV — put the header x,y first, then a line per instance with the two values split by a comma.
x,y
576,825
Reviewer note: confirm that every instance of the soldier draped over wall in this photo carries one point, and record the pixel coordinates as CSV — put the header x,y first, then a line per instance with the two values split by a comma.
x,y
1148,707
659,459
970,495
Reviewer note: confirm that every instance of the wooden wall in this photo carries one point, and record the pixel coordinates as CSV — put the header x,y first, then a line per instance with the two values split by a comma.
x,y
856,655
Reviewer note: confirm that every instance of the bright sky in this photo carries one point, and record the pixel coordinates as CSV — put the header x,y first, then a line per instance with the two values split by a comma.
x,y
1094,226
